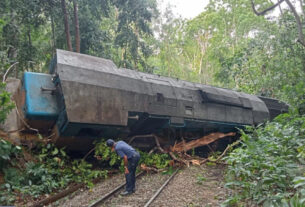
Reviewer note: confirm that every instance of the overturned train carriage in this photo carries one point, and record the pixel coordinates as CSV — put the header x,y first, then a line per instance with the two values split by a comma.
x,y
86,97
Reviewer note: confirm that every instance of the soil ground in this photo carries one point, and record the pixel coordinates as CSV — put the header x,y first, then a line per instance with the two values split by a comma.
x,y
191,187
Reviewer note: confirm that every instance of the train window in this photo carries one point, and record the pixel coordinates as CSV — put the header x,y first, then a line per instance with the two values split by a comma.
x,y
188,110
160,97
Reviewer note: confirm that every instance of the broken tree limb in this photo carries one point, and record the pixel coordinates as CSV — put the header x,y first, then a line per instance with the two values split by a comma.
x,y
149,136
88,153
149,169
178,152
184,147
226,150
173,156
158,144
152,150
59,195
139,136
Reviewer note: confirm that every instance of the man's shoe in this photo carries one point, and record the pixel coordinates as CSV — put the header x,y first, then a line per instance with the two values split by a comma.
x,y
125,193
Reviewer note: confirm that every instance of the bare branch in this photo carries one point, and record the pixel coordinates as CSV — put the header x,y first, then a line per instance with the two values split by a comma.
x,y
301,38
266,10
299,23
8,71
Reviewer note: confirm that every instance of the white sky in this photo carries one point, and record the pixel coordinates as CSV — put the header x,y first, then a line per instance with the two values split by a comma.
x,y
185,8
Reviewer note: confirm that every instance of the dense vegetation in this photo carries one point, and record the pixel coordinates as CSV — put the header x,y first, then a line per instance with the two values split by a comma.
x,y
245,45
268,168
226,45
158,161
49,169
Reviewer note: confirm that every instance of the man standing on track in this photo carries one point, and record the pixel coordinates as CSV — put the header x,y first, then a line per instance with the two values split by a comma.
x,y
131,159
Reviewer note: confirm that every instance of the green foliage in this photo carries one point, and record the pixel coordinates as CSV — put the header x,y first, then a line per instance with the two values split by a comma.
x,y
200,179
55,170
7,150
7,153
31,30
106,155
134,18
70,170
5,103
227,45
159,161
266,168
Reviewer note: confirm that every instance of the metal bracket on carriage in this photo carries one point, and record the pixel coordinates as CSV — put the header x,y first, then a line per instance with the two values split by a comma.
x,y
52,90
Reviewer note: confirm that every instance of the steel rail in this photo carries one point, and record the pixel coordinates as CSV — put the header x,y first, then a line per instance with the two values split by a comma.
x,y
160,189
106,196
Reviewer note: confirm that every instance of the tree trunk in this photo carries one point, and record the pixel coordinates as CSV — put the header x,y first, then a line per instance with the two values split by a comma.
x,y
301,39
66,22
53,36
30,62
302,7
77,37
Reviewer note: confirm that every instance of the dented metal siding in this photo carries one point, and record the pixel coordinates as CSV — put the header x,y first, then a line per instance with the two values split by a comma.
x,y
96,91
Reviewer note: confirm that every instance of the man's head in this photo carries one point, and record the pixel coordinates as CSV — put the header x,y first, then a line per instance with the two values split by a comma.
x,y
110,143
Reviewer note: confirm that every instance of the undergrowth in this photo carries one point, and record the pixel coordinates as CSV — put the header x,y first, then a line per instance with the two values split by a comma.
x,y
268,168
51,169
159,161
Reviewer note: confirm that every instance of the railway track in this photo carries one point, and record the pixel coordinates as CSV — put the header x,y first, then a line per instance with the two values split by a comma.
x,y
112,198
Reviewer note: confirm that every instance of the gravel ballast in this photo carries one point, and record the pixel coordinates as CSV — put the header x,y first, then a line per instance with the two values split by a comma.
x,y
191,187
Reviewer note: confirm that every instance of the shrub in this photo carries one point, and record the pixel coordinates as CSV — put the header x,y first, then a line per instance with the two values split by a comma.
x,y
271,157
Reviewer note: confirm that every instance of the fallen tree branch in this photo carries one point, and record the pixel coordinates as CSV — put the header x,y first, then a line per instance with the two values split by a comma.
x,y
140,136
224,152
152,150
59,195
72,188
149,169
158,144
227,148
173,156
88,153
178,151
184,147
149,136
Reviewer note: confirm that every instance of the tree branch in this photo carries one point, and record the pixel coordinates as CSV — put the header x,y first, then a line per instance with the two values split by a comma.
x,y
8,71
301,39
266,10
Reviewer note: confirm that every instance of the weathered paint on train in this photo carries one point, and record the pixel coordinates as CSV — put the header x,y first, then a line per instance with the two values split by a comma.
x,y
86,97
